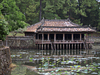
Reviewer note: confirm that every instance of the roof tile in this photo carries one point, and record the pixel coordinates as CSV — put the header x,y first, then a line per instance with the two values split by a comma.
x,y
57,26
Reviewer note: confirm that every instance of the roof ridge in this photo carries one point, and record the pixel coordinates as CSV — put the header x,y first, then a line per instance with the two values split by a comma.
x,y
55,19
34,24
42,21
63,20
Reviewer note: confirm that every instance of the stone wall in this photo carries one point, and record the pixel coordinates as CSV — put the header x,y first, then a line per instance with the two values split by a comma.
x,y
5,61
25,42
95,37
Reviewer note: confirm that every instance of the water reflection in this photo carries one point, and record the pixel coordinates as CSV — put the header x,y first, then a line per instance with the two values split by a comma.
x,y
59,59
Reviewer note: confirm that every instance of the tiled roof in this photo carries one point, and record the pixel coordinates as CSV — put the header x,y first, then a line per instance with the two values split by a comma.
x,y
59,23
57,26
33,28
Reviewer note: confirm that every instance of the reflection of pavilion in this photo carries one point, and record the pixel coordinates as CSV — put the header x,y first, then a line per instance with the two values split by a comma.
x,y
59,34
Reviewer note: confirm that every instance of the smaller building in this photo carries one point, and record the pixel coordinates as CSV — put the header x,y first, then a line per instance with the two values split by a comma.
x,y
59,35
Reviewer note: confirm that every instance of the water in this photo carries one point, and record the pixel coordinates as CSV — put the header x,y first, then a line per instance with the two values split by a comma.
x,y
59,62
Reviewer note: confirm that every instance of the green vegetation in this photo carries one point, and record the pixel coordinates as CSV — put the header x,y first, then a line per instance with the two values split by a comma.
x,y
83,12
18,34
10,17
3,28
20,13
73,68
19,70
14,17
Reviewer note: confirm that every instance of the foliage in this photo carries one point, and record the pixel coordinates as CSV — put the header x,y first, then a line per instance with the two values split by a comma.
x,y
3,28
82,12
20,13
11,12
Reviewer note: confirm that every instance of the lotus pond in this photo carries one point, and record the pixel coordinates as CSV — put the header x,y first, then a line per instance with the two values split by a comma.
x,y
59,62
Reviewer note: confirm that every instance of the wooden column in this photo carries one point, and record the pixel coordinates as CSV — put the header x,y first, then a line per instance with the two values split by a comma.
x,y
48,40
72,49
66,46
60,46
72,37
69,49
80,37
40,46
72,46
69,46
80,45
63,46
75,46
63,52
60,52
63,37
63,41
72,52
48,37
57,49
86,36
79,51
42,40
57,46
54,36
44,46
48,46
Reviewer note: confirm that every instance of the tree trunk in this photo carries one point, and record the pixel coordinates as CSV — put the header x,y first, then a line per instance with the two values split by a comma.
x,y
40,9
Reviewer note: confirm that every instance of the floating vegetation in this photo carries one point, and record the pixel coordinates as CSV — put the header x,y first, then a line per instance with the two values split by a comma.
x,y
59,64
48,65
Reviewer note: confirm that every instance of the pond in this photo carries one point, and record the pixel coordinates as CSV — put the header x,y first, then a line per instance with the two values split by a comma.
x,y
57,62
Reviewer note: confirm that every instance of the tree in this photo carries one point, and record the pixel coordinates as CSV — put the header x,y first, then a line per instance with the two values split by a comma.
x,y
3,28
88,12
82,12
13,15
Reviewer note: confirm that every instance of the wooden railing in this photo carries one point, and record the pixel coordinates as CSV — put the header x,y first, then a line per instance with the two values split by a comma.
x,y
59,41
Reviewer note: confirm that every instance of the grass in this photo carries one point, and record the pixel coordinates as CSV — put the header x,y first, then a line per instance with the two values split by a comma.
x,y
18,34
19,70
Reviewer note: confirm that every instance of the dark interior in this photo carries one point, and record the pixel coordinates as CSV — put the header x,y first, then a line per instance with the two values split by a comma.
x,y
59,36
68,37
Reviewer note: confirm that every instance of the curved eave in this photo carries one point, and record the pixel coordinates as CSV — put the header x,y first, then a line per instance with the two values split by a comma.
x,y
67,31
29,31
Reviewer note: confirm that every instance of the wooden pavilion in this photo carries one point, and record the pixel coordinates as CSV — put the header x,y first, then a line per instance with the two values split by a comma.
x,y
59,35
